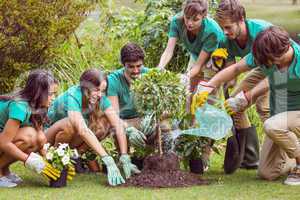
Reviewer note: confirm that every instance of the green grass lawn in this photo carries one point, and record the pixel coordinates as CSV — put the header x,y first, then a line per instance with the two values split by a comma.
x,y
279,12
241,185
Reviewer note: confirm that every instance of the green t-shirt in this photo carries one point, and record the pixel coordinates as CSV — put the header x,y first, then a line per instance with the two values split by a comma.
x,y
71,100
254,26
14,109
207,39
118,86
284,86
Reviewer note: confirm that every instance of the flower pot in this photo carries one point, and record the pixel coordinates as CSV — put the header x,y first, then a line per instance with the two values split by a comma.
x,y
103,169
61,181
93,166
196,166
139,162
79,166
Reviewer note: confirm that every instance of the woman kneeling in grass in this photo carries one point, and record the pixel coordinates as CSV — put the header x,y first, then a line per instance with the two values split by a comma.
x,y
71,112
21,123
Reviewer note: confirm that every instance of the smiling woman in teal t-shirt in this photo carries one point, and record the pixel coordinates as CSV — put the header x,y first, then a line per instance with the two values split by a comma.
x,y
22,115
74,111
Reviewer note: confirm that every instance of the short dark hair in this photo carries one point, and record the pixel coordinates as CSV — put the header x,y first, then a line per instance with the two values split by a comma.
x,y
230,9
131,52
272,42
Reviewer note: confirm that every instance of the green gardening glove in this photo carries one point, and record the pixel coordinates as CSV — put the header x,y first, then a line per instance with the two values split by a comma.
x,y
113,173
128,167
136,137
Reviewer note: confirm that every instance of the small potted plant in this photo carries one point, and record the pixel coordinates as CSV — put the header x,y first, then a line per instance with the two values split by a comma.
x,y
90,159
60,158
190,149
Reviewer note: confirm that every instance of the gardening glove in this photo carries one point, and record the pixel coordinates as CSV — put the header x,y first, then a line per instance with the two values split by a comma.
x,y
184,80
236,104
128,167
136,137
147,126
71,172
113,173
219,57
201,96
39,165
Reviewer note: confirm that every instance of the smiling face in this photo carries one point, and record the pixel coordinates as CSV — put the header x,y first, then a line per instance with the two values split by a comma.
x,y
133,70
95,93
51,95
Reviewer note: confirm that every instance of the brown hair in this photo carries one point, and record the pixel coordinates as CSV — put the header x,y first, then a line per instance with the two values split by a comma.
x,y
230,9
131,52
192,8
272,42
89,79
35,92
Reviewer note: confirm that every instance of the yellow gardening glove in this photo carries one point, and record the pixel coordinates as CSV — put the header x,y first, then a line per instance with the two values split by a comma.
x,y
199,100
201,96
220,52
50,172
219,57
71,172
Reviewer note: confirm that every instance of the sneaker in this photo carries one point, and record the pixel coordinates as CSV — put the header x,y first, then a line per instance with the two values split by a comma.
x,y
14,178
5,182
293,177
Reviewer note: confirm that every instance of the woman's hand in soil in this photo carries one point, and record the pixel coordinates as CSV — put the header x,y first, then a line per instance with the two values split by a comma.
x,y
39,165
136,137
128,167
113,173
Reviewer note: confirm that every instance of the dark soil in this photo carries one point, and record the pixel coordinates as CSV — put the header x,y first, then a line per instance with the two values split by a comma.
x,y
163,171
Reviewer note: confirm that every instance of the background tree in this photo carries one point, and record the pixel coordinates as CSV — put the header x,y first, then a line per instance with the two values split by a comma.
x,y
31,30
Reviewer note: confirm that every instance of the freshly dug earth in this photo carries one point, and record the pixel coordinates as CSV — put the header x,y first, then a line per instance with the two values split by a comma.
x,y
163,171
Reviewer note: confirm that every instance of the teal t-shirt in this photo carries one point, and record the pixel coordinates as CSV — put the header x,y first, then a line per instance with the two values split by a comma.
x,y
14,109
118,86
207,39
71,100
284,86
254,26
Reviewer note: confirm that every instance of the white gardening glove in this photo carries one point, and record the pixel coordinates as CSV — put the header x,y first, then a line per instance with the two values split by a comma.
x,y
184,80
39,165
236,104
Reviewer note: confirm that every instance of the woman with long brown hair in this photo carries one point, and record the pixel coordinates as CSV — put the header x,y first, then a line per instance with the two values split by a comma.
x,y
22,116
73,111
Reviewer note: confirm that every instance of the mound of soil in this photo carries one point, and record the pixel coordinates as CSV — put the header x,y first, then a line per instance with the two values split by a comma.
x,y
163,171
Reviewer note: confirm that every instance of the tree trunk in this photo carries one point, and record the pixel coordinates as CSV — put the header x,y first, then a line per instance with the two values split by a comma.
x,y
294,2
158,132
